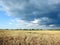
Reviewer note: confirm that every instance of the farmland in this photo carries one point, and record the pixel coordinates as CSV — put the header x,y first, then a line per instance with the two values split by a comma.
x,y
21,37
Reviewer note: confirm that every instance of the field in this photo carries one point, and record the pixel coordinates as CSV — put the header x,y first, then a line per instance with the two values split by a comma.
x,y
18,37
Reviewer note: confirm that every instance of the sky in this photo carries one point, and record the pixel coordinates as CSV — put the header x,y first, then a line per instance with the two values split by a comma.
x,y
28,14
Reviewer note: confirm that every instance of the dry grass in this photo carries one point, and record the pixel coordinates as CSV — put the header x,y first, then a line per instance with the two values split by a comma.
x,y
29,37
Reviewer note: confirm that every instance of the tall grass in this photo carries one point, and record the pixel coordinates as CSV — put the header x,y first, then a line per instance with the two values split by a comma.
x,y
30,39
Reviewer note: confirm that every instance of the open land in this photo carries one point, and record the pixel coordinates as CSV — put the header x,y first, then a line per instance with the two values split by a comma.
x,y
21,37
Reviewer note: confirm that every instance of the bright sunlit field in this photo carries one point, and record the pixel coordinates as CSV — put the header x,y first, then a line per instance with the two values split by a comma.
x,y
21,37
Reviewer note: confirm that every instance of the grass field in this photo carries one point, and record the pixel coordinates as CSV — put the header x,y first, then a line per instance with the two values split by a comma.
x,y
18,37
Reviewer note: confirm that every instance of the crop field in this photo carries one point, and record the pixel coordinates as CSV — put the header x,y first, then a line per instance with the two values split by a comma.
x,y
18,37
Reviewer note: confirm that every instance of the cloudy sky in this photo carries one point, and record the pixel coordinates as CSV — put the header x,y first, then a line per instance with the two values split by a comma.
x,y
37,14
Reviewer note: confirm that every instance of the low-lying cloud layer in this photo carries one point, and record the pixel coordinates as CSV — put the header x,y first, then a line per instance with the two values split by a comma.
x,y
46,11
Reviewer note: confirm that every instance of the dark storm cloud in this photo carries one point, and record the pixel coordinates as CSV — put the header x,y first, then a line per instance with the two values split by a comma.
x,y
29,10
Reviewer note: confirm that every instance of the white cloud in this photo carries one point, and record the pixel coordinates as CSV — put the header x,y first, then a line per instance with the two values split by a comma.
x,y
18,23
10,23
36,21
23,24
51,25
